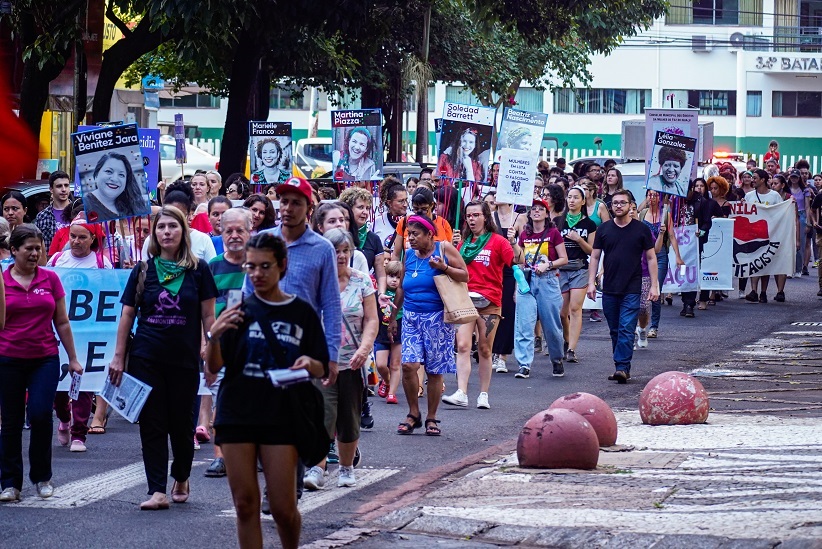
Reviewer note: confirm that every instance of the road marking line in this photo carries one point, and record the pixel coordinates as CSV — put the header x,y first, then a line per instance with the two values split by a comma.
x,y
314,500
90,489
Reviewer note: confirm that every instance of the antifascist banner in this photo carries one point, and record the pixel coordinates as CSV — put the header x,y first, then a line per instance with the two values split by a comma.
x,y
676,281
716,268
764,239
93,306
518,154
269,149
671,139
357,138
465,142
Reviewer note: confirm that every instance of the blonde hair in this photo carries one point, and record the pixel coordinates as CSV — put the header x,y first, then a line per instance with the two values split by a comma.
x,y
352,194
185,257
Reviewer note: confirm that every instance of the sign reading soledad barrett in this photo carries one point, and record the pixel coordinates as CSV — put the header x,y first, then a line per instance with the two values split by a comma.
x,y
465,142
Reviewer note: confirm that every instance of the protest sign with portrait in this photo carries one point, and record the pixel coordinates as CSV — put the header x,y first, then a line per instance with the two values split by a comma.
x,y
465,142
518,146
269,151
357,144
111,173
671,140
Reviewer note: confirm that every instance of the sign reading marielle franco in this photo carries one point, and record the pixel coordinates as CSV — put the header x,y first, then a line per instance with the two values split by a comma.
x,y
93,306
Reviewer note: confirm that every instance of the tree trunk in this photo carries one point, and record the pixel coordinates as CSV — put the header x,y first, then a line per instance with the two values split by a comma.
x,y
117,59
243,78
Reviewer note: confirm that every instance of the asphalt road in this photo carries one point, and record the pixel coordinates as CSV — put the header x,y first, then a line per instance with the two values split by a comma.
x,y
98,492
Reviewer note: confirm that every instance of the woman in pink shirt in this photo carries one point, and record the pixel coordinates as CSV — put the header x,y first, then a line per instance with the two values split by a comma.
x,y
29,361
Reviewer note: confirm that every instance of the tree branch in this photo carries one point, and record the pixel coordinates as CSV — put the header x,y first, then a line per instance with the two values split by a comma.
x,y
121,26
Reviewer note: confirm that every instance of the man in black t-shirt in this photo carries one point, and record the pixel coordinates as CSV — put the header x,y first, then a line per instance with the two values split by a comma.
x,y
624,241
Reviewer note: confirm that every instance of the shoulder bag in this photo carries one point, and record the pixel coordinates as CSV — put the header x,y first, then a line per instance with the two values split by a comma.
x,y
457,304
304,399
138,301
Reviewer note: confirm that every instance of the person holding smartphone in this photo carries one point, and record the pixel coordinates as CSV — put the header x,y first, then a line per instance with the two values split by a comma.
x,y
255,418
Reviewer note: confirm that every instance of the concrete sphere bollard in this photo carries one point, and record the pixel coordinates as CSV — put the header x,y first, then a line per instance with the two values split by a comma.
x,y
673,398
558,439
593,409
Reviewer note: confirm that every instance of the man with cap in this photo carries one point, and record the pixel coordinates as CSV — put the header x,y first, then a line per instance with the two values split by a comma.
x,y
311,273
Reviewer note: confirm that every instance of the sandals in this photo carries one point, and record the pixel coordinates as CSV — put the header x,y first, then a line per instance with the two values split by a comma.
x,y
97,430
406,428
431,428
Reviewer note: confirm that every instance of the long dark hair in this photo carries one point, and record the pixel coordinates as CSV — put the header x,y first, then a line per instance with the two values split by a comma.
x,y
319,215
19,197
129,201
455,156
23,232
270,215
529,223
488,221
447,196
563,221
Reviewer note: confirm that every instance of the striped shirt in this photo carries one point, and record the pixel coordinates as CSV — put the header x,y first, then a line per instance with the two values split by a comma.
x,y
227,276
312,276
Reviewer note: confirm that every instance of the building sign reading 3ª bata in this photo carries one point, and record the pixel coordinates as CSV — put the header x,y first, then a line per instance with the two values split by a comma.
x,y
796,63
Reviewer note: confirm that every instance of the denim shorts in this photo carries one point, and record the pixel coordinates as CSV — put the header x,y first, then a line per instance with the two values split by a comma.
x,y
573,280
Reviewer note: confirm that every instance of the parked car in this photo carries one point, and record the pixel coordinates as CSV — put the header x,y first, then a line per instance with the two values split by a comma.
x,y
312,157
36,192
197,159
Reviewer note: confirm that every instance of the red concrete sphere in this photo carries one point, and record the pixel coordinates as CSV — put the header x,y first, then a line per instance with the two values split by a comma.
x,y
595,410
673,398
558,439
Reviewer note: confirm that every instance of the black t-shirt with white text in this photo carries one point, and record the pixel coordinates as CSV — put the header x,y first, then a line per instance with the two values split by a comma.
x,y
169,328
585,227
247,396
623,248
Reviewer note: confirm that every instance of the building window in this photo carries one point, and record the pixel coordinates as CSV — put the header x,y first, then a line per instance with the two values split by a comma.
x,y
287,98
192,101
754,106
460,94
411,101
798,104
745,13
709,102
601,101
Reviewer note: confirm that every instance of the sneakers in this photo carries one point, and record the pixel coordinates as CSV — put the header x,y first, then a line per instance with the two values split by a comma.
x,y
643,338
499,365
559,369
10,494
216,469
333,457
537,344
366,419
457,399
752,297
763,297
391,399
482,402
571,356
196,443
620,377
805,271
77,446
652,333
779,297
44,489
265,506
595,316
314,478
63,434
357,457
382,389
742,294
346,477
524,373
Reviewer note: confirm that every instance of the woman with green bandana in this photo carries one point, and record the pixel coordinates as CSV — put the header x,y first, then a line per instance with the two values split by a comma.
x,y
485,253
174,307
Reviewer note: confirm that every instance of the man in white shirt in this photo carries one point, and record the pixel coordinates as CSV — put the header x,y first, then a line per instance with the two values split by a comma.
x,y
763,194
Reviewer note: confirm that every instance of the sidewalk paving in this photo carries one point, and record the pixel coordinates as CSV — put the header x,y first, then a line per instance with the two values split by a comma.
x,y
737,481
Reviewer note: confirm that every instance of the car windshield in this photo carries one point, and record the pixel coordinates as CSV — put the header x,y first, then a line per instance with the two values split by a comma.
x,y
318,151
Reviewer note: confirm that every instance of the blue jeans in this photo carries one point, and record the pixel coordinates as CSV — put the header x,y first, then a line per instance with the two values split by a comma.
x,y
544,299
662,270
621,312
39,376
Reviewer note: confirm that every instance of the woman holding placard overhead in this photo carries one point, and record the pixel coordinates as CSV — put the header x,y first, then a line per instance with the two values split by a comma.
x,y
32,308
176,303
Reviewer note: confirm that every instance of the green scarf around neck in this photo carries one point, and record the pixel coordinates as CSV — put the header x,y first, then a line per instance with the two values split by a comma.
x,y
573,219
362,234
170,274
470,248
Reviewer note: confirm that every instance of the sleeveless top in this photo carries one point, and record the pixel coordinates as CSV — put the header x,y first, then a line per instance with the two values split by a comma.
x,y
421,295
595,216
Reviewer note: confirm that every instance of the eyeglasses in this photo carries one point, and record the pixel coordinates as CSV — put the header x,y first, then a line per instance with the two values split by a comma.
x,y
619,203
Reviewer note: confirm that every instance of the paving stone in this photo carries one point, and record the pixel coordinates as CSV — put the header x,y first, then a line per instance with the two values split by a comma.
x,y
507,534
689,541
398,519
632,540
561,538
447,526
800,544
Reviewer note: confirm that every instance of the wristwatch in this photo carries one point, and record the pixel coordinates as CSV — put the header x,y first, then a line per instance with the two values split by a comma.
x,y
208,336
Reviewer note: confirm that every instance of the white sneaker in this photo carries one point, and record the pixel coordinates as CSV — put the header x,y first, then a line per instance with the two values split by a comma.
x,y
482,401
44,489
500,367
741,294
346,477
643,338
314,479
196,443
10,494
77,446
457,399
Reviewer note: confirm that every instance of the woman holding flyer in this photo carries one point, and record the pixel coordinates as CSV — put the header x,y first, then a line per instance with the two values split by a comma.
x,y
176,303
356,164
461,159
33,307
118,192
255,419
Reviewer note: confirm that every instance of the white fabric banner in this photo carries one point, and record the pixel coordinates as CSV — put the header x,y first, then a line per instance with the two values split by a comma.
x,y
716,268
764,239
676,281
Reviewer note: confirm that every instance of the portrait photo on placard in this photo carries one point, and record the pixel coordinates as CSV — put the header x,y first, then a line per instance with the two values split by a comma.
x,y
464,151
111,171
269,152
671,161
357,145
